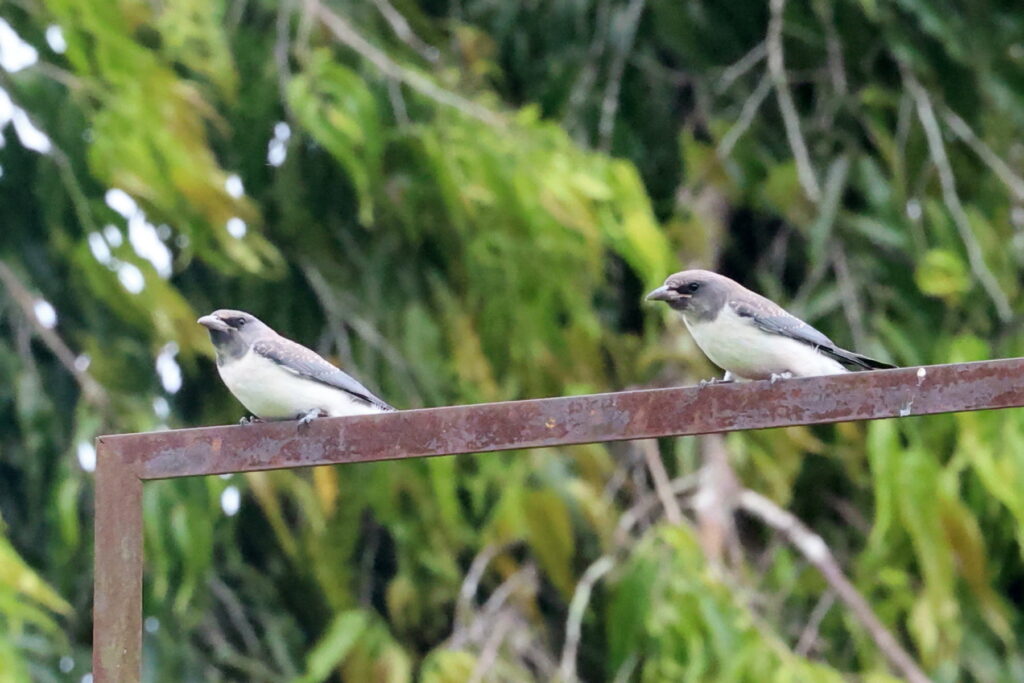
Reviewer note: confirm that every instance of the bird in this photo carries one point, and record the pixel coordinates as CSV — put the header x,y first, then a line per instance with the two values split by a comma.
x,y
749,336
276,378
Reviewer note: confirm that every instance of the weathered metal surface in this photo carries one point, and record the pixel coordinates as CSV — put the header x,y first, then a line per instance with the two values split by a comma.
x,y
124,460
117,592
579,419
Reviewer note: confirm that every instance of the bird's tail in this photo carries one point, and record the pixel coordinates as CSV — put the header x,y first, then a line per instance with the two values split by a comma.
x,y
844,356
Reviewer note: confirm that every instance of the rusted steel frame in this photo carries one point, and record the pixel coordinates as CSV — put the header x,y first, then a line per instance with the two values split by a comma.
x,y
117,548
124,461
578,419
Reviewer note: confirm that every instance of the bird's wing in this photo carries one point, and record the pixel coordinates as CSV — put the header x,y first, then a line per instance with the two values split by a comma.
x,y
305,363
772,318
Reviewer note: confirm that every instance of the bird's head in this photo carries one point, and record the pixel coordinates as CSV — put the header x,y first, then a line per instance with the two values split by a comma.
x,y
699,294
233,332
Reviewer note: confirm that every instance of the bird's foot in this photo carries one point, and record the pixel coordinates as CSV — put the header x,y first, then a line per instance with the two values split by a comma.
x,y
249,420
304,420
782,375
716,380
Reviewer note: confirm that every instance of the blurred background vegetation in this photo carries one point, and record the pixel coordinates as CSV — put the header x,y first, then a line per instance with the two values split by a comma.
x,y
464,201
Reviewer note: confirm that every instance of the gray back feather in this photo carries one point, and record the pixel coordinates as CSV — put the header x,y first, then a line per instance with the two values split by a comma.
x,y
772,318
306,363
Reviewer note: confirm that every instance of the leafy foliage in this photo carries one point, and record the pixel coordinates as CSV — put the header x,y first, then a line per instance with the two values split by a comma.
x,y
465,202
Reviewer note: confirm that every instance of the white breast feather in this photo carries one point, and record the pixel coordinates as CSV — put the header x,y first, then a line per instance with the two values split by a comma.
x,y
270,392
735,344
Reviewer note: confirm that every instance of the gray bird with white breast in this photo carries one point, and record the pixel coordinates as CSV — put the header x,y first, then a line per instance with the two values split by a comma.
x,y
278,379
749,336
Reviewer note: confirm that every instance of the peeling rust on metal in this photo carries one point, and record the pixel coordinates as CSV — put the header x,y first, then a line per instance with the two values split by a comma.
x,y
125,460
577,419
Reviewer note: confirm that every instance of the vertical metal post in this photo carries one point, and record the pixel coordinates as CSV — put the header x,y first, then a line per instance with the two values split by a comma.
x,y
117,600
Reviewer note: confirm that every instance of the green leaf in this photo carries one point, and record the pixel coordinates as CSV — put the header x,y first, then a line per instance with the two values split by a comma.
x,y
340,112
331,649
629,609
448,666
16,576
943,274
549,533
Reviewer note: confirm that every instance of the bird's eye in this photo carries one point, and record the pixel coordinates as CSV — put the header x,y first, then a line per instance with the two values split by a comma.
x,y
693,286
239,321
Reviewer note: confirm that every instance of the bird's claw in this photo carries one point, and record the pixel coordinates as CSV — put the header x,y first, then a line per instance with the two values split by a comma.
x,y
782,375
716,380
304,420
249,420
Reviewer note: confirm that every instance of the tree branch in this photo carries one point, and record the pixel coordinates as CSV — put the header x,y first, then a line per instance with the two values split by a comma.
x,y
282,45
848,296
577,607
790,117
631,517
947,181
734,71
79,201
610,103
747,114
345,33
489,652
342,308
464,603
405,33
813,547
960,128
588,71
523,579
93,392
662,485
810,633
834,46
715,503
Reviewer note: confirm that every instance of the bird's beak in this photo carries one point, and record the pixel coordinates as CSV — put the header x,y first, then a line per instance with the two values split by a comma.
x,y
662,293
212,322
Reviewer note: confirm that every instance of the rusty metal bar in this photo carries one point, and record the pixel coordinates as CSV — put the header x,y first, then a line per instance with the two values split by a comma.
x,y
579,419
117,592
123,461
